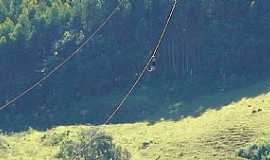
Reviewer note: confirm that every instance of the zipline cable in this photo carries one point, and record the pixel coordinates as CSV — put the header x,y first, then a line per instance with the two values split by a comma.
x,y
60,65
152,56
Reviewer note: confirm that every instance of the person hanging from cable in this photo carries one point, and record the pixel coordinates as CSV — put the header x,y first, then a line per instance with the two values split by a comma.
x,y
152,65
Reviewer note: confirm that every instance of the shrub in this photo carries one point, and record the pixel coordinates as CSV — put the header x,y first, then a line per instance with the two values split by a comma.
x,y
52,139
255,152
92,145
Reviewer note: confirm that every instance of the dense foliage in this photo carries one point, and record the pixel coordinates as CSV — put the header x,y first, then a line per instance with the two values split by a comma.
x,y
255,152
92,145
225,42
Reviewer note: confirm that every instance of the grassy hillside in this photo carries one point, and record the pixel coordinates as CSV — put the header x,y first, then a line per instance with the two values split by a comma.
x,y
213,134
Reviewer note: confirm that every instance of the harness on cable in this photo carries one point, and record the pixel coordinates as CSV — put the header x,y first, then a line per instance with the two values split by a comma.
x,y
152,66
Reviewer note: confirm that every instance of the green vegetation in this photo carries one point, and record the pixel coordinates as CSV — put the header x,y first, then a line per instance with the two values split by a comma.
x,y
92,145
217,133
255,152
200,103
222,42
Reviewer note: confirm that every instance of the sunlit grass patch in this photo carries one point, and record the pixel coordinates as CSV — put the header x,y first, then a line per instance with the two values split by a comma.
x,y
214,134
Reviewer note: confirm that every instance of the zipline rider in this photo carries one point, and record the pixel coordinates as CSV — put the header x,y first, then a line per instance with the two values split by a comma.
x,y
152,66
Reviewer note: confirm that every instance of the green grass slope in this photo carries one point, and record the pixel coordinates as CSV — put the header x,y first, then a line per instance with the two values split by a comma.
x,y
213,135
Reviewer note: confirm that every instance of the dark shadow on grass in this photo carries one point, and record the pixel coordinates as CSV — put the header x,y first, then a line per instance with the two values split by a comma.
x,y
149,103
195,106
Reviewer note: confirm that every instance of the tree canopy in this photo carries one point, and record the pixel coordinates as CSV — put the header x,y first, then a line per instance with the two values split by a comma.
x,y
225,42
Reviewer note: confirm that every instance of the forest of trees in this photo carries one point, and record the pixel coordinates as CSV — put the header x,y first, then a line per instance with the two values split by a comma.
x,y
220,41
